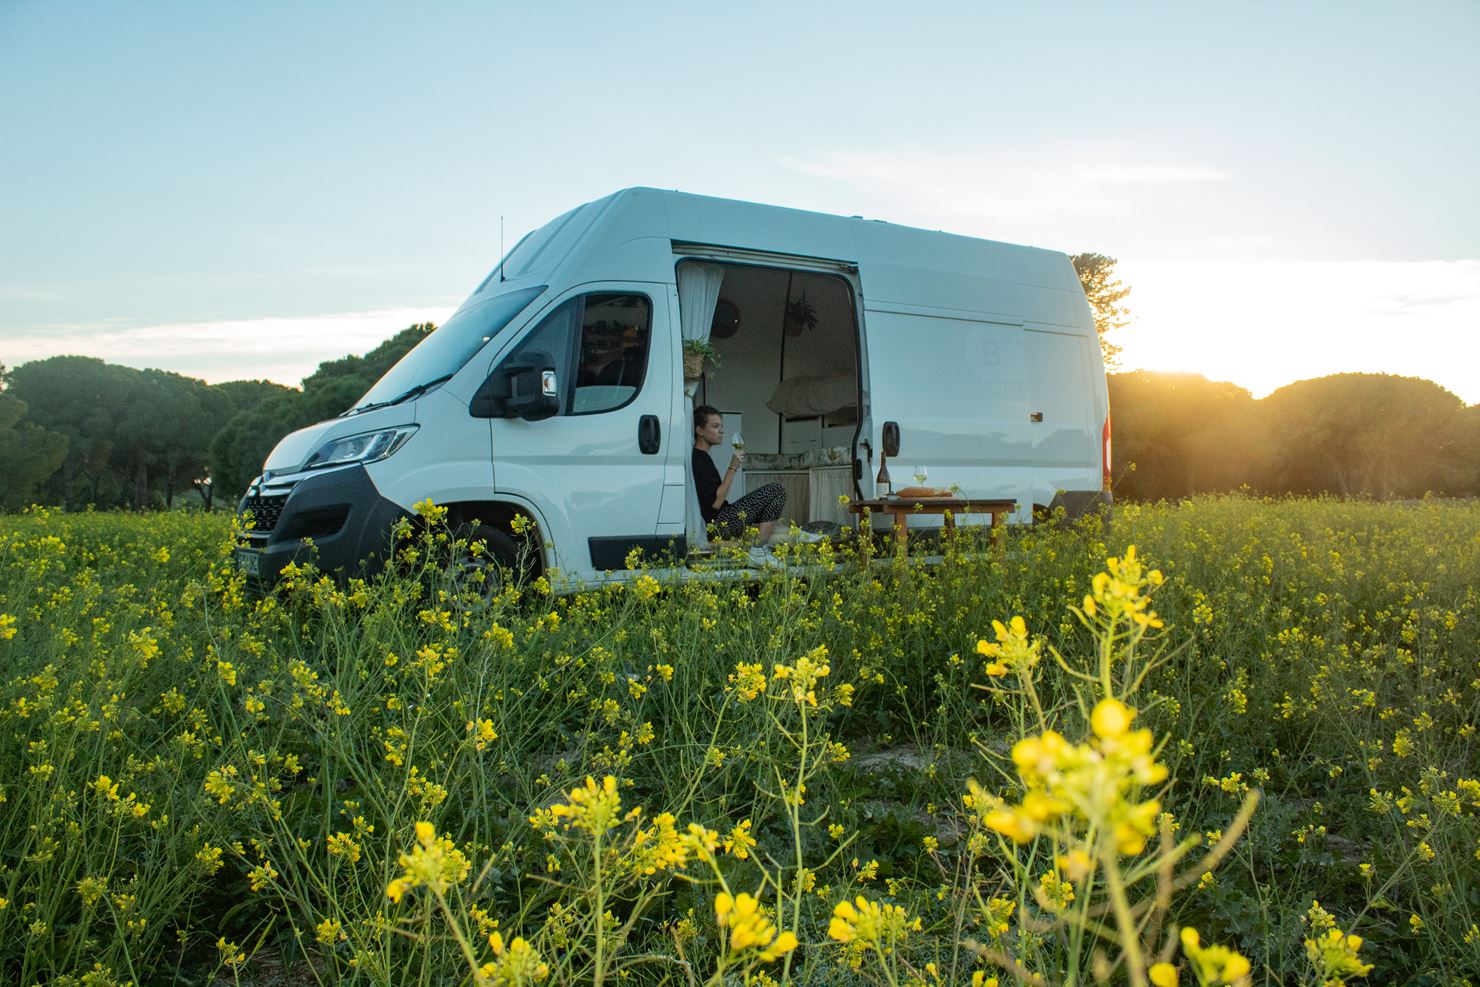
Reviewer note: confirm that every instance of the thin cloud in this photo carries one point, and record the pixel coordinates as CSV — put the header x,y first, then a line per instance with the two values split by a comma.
x,y
1155,173
1045,195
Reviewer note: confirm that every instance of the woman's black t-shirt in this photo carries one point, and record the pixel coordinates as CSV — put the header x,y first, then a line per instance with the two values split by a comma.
x,y
706,481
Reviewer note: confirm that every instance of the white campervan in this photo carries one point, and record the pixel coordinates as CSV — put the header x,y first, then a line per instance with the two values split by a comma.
x,y
556,392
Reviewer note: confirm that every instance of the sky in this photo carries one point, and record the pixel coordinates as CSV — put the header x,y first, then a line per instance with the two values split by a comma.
x,y
243,190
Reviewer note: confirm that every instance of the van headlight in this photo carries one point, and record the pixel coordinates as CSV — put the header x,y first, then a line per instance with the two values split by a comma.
x,y
367,447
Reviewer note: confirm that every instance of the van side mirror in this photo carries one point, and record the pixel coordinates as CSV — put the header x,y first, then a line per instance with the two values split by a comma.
x,y
891,438
526,387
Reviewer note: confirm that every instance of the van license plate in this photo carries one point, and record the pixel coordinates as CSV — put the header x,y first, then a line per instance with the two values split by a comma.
x,y
249,561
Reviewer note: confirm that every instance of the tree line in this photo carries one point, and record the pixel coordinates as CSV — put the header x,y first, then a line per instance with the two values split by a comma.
x,y
1358,435
79,432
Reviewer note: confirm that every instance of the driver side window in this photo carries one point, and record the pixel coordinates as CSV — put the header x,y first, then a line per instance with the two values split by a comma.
x,y
605,338
613,353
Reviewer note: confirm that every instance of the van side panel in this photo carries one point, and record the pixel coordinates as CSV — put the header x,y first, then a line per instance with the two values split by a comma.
x,y
957,388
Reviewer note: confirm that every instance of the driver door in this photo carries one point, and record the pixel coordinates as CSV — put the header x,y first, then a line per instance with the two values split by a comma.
x,y
594,469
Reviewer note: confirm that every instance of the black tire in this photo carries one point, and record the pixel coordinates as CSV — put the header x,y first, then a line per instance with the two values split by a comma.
x,y
502,561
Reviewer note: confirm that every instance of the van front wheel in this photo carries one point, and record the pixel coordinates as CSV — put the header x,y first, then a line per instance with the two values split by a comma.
x,y
486,559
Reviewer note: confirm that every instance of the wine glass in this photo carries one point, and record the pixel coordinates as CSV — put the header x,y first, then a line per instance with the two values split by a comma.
x,y
737,442
921,475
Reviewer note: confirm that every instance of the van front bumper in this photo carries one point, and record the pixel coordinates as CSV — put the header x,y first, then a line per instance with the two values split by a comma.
x,y
336,520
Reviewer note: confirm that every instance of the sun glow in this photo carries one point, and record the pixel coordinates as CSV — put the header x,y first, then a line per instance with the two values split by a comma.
x,y
1262,326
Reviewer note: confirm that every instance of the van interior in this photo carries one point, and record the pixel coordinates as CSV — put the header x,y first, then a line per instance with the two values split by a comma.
x,y
786,378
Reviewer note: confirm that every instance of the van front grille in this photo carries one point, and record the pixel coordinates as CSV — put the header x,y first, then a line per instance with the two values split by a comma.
x,y
265,511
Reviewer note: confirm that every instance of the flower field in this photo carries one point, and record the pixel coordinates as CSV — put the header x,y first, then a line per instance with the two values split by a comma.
x,y
1242,751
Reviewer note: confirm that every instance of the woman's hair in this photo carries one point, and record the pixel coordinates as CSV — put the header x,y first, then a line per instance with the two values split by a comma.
x,y
703,413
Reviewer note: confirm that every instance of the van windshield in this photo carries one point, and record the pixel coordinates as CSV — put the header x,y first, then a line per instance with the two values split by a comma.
x,y
447,350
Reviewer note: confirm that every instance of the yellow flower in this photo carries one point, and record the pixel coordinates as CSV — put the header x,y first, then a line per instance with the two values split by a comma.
x,y
90,889
435,863
1056,894
1011,823
328,932
998,916
1163,975
1120,591
804,675
483,733
1086,788
210,857
231,953
1076,864
344,845
1111,719
1334,957
106,787
748,681
1214,965
1012,651
7,627
701,841
262,875
870,924
738,843
658,847
515,965
749,927
593,808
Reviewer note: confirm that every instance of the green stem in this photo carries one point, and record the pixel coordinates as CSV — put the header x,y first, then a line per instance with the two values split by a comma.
x,y
457,933
1107,659
1130,936
794,812
1037,706
600,973
888,968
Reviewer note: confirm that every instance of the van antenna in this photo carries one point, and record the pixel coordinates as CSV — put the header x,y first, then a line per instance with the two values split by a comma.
x,y
500,249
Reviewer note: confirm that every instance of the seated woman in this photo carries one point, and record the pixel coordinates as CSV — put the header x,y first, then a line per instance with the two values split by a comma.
x,y
760,508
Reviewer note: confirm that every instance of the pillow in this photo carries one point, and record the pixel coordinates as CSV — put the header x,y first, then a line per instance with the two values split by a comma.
x,y
809,397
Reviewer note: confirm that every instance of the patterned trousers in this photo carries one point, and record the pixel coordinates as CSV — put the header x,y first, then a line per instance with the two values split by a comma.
x,y
762,504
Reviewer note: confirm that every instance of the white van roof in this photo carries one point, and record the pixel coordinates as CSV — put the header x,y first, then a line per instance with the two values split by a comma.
x,y
629,235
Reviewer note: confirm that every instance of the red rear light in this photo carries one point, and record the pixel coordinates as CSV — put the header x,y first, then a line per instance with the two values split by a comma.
x,y
1105,452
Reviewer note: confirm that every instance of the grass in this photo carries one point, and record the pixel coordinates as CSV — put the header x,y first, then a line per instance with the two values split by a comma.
x,y
201,786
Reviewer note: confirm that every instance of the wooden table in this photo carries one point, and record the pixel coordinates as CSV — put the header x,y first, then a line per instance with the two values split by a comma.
x,y
900,509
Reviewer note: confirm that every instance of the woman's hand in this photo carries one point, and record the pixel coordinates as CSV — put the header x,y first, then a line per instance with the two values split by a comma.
x,y
737,460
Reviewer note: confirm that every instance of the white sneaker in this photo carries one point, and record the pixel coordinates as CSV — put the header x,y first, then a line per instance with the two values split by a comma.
x,y
761,557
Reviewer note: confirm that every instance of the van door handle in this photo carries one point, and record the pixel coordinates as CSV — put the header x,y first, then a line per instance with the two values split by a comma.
x,y
649,435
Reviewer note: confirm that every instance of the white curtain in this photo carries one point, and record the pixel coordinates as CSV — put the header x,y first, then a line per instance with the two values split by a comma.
x,y
698,291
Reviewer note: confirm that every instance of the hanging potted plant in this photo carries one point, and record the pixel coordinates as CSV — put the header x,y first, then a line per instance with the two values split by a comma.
x,y
801,315
697,353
